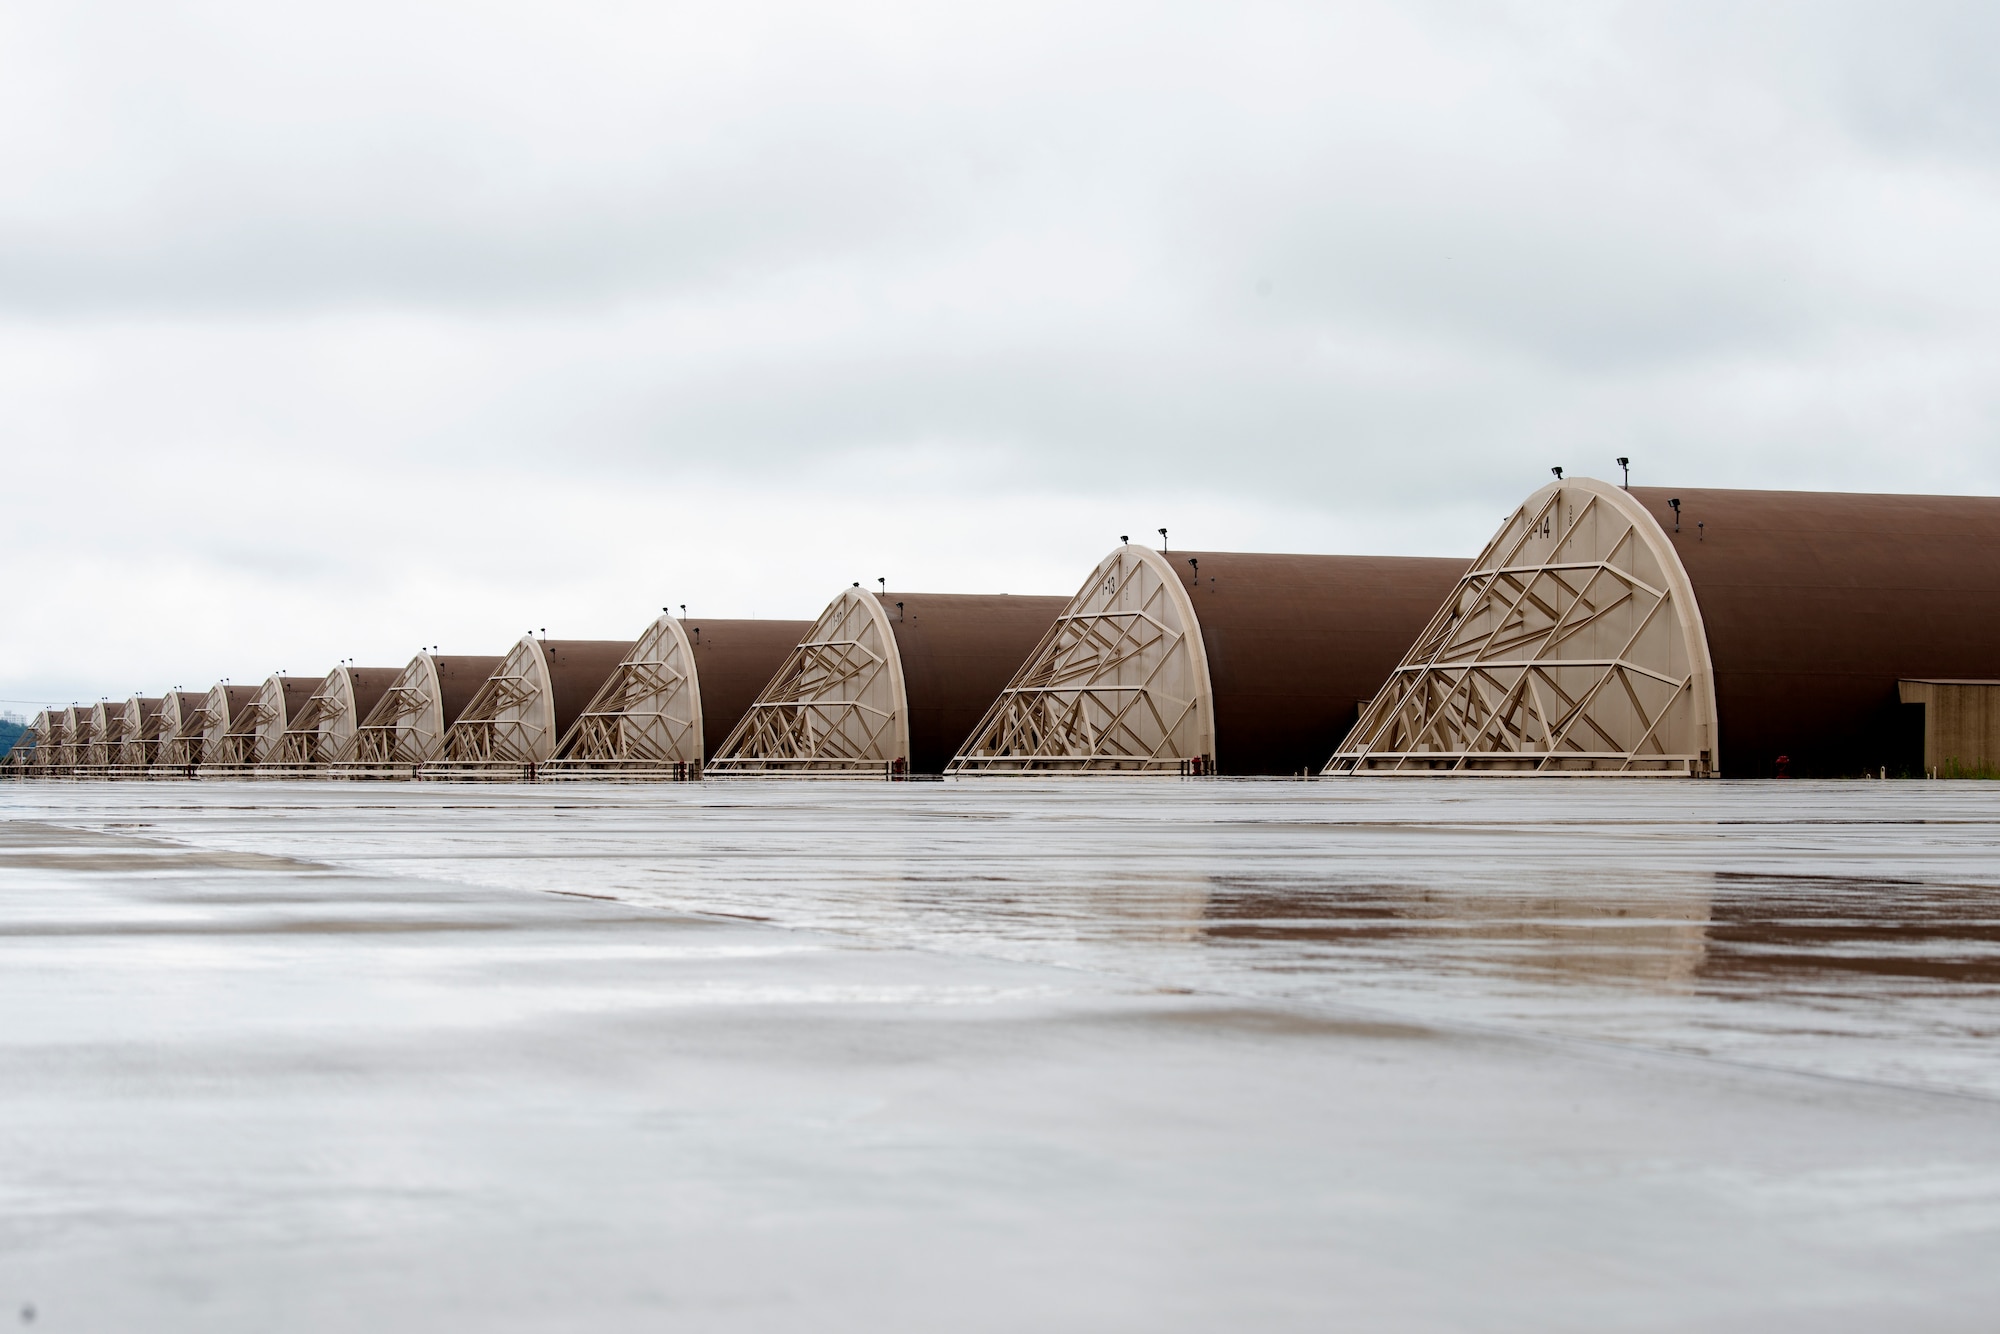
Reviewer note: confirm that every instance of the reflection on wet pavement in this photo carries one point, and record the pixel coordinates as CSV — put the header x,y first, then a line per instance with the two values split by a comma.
x,y
1000,1056
1849,929
1776,931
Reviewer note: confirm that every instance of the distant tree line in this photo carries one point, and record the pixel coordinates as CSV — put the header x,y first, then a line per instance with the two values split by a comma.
x,y
10,732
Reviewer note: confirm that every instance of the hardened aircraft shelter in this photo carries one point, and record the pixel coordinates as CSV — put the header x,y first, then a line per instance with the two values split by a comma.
x,y
1207,662
406,728
322,730
886,683
1694,632
209,745
107,734
682,686
183,727
141,744
56,743
259,725
84,744
74,751
538,691
54,747
50,742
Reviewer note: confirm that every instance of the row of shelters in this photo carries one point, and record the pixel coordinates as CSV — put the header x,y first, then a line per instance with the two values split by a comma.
x,y
1602,630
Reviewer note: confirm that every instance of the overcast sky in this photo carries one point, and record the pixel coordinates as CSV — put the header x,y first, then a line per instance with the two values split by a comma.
x,y
336,331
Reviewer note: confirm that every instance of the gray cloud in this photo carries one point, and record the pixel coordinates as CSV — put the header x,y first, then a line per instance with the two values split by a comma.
x,y
379,307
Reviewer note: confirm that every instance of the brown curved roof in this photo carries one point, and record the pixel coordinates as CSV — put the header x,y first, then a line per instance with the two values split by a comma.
x,y
733,661
298,691
577,667
1297,644
1817,603
460,675
370,684
183,703
235,700
236,697
959,650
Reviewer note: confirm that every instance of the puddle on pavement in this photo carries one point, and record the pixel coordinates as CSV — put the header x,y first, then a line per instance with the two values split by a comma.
x,y
1699,918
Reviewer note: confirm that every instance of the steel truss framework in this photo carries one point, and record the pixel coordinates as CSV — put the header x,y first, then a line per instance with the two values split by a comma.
x,y
48,729
184,732
73,751
216,748
647,715
107,735
1118,685
1572,645
140,748
837,706
407,725
244,741
322,731
511,721
232,750
180,734
254,736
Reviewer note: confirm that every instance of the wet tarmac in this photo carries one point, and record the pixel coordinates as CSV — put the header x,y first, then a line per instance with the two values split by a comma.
x,y
1087,1055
